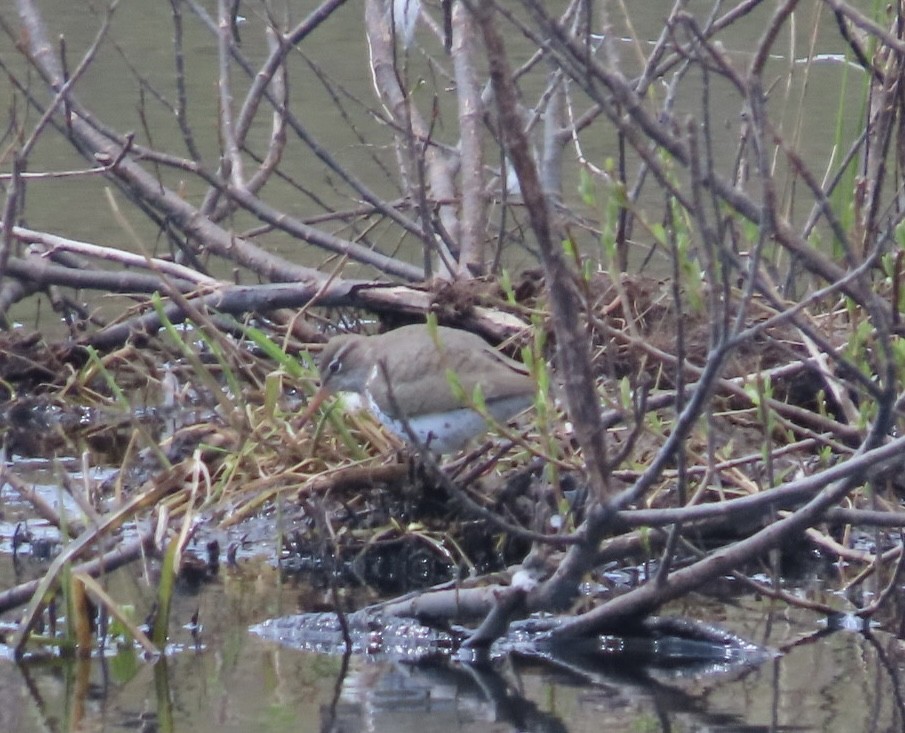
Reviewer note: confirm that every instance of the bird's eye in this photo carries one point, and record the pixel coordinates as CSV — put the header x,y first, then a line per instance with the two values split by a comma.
x,y
334,366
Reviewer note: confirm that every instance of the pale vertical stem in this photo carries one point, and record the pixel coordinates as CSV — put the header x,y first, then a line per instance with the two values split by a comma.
x,y
231,154
422,160
553,140
473,219
10,211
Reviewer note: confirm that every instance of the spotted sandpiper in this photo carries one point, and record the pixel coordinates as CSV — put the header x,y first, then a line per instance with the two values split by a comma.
x,y
407,375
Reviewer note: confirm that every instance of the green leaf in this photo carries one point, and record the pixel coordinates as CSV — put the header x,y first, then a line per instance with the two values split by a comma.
x,y
455,385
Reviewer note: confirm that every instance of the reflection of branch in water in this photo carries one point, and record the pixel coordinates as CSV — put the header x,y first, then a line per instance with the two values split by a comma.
x,y
436,688
329,712
892,671
620,684
40,704
510,705
494,692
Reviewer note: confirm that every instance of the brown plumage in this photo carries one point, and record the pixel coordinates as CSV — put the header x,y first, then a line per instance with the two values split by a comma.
x,y
418,362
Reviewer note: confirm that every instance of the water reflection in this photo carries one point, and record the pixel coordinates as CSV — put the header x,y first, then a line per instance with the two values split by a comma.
x,y
234,681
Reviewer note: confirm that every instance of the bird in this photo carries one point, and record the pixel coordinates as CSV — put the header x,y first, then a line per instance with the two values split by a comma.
x,y
407,376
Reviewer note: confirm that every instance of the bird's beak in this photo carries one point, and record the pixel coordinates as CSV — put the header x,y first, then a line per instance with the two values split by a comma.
x,y
313,405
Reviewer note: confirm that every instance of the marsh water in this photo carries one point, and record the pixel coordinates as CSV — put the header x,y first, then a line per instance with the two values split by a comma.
x,y
225,678
219,676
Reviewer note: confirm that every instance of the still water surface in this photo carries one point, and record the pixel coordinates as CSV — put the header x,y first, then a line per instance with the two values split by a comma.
x,y
225,678
233,681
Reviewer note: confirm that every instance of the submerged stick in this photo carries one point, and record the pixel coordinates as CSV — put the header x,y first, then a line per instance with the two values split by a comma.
x,y
106,563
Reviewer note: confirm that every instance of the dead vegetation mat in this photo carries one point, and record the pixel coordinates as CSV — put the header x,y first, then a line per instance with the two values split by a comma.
x,y
355,505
